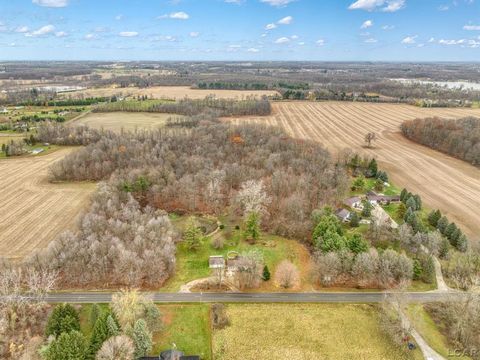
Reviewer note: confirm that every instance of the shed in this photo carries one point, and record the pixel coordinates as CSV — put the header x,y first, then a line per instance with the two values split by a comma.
x,y
216,262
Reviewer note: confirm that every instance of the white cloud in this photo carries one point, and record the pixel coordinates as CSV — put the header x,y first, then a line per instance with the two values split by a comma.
x,y
21,29
238,2
443,8
409,40
382,5
472,27
119,17
388,27
270,26
194,34
371,40
294,37
253,50
282,40
320,42
367,24
285,21
51,3
180,15
301,43
61,34
452,42
44,30
90,37
278,3
431,40
128,33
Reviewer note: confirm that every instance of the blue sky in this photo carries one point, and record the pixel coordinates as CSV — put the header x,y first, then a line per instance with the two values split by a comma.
x,y
336,30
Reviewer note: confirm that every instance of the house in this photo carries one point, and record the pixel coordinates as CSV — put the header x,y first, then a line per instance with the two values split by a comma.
x,y
216,262
343,215
37,151
375,198
4,111
353,202
176,355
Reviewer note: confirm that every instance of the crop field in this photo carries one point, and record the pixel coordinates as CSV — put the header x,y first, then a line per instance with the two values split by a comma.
x,y
168,92
33,211
304,331
444,182
115,121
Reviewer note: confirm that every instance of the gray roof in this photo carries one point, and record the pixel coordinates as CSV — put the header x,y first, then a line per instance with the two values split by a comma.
x,y
352,200
343,214
216,260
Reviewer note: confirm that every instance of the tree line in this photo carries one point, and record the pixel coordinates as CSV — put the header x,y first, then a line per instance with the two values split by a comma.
x,y
458,138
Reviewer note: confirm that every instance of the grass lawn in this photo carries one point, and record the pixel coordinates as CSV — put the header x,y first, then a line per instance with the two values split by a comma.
x,y
425,325
188,326
305,331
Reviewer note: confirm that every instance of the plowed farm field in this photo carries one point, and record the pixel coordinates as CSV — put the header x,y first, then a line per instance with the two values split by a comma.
x,y
443,182
33,211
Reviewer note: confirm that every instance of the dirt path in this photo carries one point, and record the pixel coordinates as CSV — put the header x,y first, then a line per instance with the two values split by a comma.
x,y
446,183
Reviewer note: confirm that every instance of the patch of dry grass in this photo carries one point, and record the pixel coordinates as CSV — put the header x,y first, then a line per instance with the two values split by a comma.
x,y
305,332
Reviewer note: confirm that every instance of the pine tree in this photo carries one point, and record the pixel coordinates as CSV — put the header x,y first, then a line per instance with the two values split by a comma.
x,y
252,226
142,338
67,346
401,210
357,244
367,209
354,220
105,327
266,273
95,313
192,234
403,195
444,248
449,230
418,202
372,168
434,217
411,204
64,318
442,224
462,243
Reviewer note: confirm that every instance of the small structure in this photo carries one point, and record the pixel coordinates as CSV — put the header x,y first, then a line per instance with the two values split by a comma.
x,y
343,215
37,151
216,262
174,355
4,111
353,202
375,198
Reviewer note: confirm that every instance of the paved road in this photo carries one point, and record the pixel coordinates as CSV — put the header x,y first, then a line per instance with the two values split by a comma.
x,y
325,297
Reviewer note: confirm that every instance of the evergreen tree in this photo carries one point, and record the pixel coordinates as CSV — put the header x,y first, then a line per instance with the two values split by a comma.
x,y
418,202
442,224
444,248
95,312
142,338
68,346
449,230
411,204
383,176
357,244
252,226
367,209
417,269
64,318
456,234
379,185
105,327
403,195
372,168
192,235
354,220
462,243
266,273
401,210
434,217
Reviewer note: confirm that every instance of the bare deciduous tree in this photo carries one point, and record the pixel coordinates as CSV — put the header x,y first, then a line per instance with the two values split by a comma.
x,y
117,348
287,275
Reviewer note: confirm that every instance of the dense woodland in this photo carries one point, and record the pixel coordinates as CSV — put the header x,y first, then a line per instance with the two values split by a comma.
x,y
458,138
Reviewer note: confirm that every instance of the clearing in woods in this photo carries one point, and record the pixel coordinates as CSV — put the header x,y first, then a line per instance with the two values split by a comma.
x,y
33,211
444,182
168,92
116,121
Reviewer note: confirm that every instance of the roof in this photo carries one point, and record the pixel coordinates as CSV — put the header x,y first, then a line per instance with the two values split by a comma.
x,y
190,357
352,200
383,198
216,261
343,214
171,355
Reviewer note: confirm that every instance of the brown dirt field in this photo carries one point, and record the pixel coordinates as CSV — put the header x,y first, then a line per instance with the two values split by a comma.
x,y
115,121
33,211
167,92
444,182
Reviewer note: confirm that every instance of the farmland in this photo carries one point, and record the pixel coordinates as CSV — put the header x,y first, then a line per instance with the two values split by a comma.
x,y
166,92
33,211
129,121
304,332
448,184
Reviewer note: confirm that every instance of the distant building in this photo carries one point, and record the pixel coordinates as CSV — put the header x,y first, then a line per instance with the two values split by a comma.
x,y
343,215
4,111
375,199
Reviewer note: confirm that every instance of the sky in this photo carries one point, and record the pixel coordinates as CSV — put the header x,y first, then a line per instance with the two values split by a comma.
x,y
240,30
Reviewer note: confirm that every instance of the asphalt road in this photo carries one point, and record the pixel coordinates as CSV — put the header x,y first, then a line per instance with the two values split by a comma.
x,y
325,297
